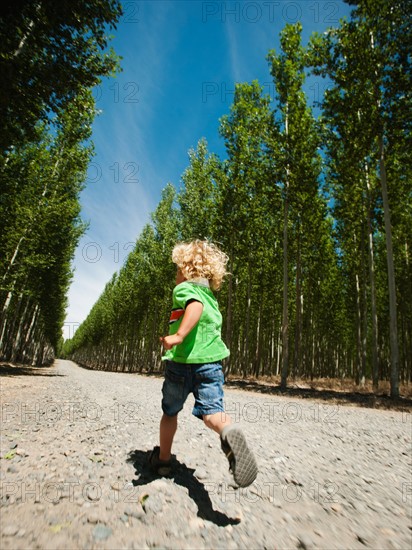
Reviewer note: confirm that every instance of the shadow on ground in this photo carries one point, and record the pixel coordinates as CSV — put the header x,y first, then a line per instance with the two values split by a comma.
x,y
361,399
8,369
181,475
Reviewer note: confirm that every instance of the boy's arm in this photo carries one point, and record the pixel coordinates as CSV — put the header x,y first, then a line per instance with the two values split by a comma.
x,y
190,319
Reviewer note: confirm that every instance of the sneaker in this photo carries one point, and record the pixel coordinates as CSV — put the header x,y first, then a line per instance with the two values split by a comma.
x,y
159,467
242,463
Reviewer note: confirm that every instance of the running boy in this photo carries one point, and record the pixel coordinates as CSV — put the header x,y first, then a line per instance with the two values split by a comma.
x,y
194,351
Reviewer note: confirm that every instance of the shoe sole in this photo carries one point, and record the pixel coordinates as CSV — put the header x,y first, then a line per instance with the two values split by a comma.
x,y
245,467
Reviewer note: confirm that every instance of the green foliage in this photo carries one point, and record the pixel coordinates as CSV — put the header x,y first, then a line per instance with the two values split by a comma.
x,y
48,52
197,199
51,55
367,116
297,206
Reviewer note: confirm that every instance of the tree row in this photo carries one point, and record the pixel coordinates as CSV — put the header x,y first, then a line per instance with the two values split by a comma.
x,y
50,61
314,213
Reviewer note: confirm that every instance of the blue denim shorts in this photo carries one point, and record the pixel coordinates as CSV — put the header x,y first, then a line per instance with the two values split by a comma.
x,y
204,380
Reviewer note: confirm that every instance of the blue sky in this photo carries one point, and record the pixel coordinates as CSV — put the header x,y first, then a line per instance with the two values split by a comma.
x,y
180,62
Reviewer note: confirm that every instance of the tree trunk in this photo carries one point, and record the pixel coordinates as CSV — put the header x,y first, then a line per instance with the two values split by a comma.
x,y
358,333
229,309
393,328
371,265
259,345
25,37
285,318
247,323
298,326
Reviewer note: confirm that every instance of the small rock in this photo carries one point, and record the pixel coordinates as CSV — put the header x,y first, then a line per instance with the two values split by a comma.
x,y
162,486
196,523
387,532
304,542
93,518
172,531
136,513
153,505
336,508
10,530
200,474
205,533
287,518
375,506
362,537
101,532
21,452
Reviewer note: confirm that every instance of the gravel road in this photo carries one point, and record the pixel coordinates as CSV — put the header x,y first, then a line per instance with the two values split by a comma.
x,y
73,473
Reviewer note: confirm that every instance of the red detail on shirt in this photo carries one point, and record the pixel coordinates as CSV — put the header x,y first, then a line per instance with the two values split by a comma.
x,y
176,315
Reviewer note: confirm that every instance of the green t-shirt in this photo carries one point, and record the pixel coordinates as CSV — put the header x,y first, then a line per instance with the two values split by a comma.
x,y
204,343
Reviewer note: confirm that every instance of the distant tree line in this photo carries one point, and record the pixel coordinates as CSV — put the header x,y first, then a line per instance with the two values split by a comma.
x,y
51,56
315,214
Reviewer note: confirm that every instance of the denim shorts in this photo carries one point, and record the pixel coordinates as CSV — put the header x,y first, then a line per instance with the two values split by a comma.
x,y
204,380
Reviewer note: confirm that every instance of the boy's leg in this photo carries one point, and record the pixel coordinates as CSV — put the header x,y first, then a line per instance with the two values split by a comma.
x,y
175,391
168,427
217,421
241,459
174,396
160,457
208,392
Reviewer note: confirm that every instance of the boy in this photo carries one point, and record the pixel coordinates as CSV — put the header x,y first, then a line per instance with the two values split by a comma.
x,y
194,351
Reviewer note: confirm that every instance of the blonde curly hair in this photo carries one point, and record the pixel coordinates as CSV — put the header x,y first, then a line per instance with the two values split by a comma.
x,y
201,259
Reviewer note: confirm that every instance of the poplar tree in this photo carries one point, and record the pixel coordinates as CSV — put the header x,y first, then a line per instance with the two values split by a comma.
x,y
245,197
369,108
197,198
299,171
41,208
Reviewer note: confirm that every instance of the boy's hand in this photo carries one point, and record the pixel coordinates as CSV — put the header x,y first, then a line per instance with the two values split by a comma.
x,y
170,341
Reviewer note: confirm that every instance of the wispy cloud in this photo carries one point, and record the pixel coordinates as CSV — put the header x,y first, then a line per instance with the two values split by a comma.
x,y
235,62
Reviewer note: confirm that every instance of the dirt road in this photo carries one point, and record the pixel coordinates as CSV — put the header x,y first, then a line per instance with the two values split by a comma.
x,y
73,472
